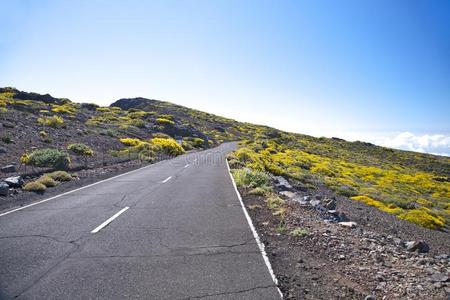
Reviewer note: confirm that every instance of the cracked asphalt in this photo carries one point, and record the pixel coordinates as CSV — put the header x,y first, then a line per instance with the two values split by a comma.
x,y
186,238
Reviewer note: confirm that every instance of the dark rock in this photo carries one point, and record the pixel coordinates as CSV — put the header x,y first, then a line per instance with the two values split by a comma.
x,y
8,125
14,182
419,246
330,204
2,150
8,169
370,297
4,189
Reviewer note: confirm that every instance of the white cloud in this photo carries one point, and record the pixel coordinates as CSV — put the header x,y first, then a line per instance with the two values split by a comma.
x,y
429,143
438,144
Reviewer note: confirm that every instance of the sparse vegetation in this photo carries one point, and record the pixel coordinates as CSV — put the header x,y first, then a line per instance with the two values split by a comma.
x,y
47,158
53,121
35,186
47,181
60,176
80,149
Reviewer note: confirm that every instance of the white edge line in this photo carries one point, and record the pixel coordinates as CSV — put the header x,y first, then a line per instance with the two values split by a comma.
x,y
255,233
72,191
167,179
98,228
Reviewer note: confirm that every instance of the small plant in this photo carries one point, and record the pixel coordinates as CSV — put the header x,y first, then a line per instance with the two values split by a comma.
x,y
130,141
164,121
281,228
7,139
53,121
249,178
35,186
47,181
300,232
60,176
274,202
48,158
260,190
80,149
43,134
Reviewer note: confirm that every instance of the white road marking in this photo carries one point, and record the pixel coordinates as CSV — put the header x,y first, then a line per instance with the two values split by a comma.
x,y
75,190
255,234
186,166
167,179
109,220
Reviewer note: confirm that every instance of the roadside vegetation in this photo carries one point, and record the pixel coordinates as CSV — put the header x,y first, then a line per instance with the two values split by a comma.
x,y
41,131
412,186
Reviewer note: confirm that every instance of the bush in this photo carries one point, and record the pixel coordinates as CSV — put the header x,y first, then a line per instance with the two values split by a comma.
x,y
168,146
54,121
130,141
49,158
249,178
80,149
60,176
47,181
163,121
260,190
300,232
423,218
35,186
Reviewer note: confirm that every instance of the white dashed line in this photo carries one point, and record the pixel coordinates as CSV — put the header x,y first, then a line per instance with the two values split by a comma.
x,y
186,166
167,179
109,220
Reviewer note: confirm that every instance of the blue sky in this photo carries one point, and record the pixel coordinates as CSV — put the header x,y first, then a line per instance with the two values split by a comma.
x,y
372,70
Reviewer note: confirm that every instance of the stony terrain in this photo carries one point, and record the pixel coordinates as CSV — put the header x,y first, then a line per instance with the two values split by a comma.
x,y
338,228
325,246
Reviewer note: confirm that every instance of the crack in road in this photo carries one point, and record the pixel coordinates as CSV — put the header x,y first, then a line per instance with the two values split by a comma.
x,y
230,293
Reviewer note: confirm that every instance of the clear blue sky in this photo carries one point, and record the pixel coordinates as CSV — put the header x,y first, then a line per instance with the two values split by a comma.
x,y
341,68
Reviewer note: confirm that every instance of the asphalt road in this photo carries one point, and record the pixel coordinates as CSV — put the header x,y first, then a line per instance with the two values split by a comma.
x,y
179,232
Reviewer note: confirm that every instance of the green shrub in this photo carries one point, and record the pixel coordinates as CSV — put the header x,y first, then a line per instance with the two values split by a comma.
x,y
249,178
260,190
300,232
49,158
47,181
7,139
80,149
60,176
34,186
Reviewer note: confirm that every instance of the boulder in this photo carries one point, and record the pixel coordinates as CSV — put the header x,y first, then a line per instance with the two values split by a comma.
x,y
4,189
348,224
15,181
419,246
8,169
3,150
282,182
288,194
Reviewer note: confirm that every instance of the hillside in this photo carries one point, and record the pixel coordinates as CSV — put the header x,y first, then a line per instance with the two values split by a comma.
x,y
339,220
412,186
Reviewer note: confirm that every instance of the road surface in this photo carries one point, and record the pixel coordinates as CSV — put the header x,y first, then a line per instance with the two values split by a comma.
x,y
172,230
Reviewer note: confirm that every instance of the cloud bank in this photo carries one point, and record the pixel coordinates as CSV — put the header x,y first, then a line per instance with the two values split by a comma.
x,y
428,143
